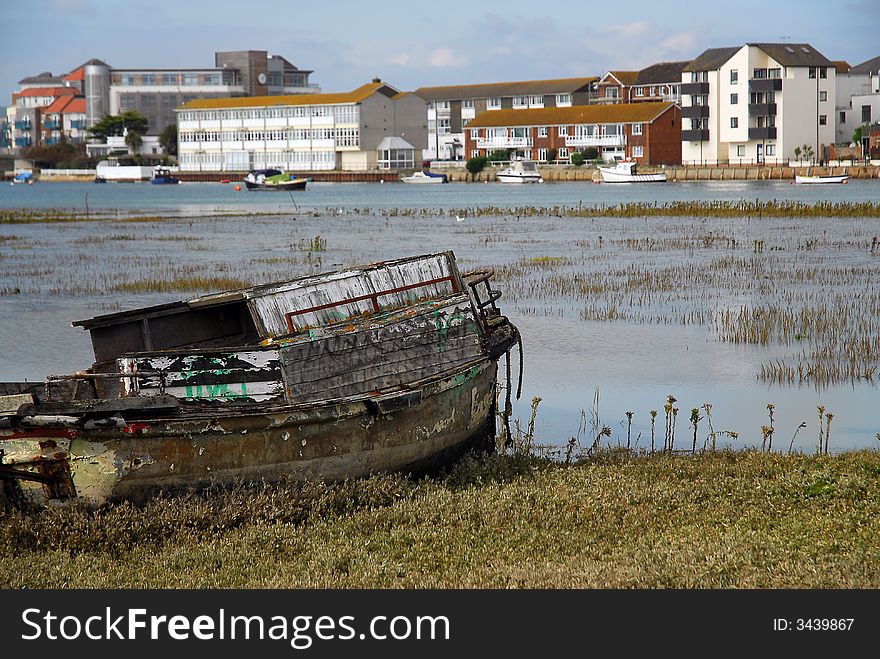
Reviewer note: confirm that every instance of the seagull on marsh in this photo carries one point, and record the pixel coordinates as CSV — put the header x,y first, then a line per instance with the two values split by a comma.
x,y
459,218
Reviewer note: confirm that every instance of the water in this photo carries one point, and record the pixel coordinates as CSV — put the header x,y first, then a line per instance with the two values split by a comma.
x,y
64,272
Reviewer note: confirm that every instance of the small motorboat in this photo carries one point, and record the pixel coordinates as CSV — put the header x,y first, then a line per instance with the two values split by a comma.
x,y
425,177
626,171
162,176
520,171
828,178
24,177
273,179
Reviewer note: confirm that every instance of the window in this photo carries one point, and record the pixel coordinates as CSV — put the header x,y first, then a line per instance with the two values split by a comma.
x,y
468,103
475,153
563,99
741,150
563,153
542,131
842,117
823,72
823,119
475,133
493,104
812,72
734,99
760,74
653,91
542,155
611,92
520,102
640,91
770,150
734,76
734,122
562,131
638,151
866,114
536,101
637,129
823,96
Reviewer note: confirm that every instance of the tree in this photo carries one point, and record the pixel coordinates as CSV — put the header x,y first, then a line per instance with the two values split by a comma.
x,y
857,136
64,155
476,164
499,155
168,140
133,141
116,125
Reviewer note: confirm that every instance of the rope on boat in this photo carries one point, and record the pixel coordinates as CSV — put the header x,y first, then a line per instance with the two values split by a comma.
x,y
519,381
508,408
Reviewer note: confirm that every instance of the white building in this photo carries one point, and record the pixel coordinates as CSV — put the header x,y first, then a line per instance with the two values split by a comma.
x,y
345,131
858,98
757,103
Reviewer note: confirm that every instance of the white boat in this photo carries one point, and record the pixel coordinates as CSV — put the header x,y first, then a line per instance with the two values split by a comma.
x,y
425,177
626,171
836,178
520,171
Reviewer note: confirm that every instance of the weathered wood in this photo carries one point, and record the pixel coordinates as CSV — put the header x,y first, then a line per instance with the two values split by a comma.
x,y
9,404
102,406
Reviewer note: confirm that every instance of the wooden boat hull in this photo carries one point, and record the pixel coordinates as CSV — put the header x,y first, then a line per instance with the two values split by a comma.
x,y
611,176
295,184
412,430
811,180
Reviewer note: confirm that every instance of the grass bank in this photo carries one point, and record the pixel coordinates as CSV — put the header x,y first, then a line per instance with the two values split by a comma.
x,y
612,520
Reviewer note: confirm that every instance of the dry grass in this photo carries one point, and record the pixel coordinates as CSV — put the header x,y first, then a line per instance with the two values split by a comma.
x,y
717,520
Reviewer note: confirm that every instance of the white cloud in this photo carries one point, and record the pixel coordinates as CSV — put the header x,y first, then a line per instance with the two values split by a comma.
x,y
401,59
631,30
446,58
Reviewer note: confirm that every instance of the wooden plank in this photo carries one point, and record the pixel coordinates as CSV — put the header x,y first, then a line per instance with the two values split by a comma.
x,y
102,406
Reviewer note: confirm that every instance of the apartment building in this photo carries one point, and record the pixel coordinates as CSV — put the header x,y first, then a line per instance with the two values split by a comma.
x,y
858,99
152,92
757,103
372,127
615,87
450,108
648,133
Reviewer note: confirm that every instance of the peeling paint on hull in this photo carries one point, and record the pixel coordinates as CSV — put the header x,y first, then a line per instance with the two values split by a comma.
x,y
330,442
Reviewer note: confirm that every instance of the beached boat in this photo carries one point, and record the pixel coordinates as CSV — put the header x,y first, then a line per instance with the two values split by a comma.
x,y
626,171
380,368
25,177
827,178
425,177
273,179
520,171
163,176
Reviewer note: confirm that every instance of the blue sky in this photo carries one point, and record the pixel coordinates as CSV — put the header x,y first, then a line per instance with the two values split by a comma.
x,y
415,43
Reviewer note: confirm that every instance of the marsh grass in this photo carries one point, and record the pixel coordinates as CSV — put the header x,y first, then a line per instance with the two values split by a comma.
x,y
611,520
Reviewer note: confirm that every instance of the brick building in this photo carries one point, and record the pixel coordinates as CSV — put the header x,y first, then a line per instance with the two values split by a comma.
x,y
649,133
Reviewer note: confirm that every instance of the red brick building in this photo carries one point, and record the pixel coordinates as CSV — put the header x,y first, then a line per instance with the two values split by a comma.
x,y
649,133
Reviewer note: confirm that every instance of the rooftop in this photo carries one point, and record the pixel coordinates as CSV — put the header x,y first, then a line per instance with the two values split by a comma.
x,y
355,96
499,89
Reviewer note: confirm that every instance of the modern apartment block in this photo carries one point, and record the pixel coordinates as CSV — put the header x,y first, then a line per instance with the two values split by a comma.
x,y
858,99
648,133
373,126
152,92
757,103
450,108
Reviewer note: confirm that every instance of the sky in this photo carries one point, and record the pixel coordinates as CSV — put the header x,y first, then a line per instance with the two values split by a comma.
x,y
416,43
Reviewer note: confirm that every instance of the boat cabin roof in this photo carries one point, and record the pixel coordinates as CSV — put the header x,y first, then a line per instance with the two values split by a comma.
x,y
261,313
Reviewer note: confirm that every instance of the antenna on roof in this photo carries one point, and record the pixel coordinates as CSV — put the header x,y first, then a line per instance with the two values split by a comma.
x,y
785,39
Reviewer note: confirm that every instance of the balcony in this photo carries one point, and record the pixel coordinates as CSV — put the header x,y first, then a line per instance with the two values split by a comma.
x,y
52,125
22,141
765,85
765,133
504,143
762,109
695,135
22,125
694,88
580,141
78,124
694,111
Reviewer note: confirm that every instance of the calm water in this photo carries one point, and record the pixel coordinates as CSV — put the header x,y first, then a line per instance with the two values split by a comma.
x,y
60,272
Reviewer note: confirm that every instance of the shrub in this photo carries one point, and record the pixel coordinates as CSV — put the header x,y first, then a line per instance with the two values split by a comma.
x,y
476,164
577,158
551,155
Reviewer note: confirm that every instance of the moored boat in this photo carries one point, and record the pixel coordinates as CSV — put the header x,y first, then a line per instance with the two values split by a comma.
x,y
626,171
380,368
273,179
163,176
826,178
520,171
425,177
